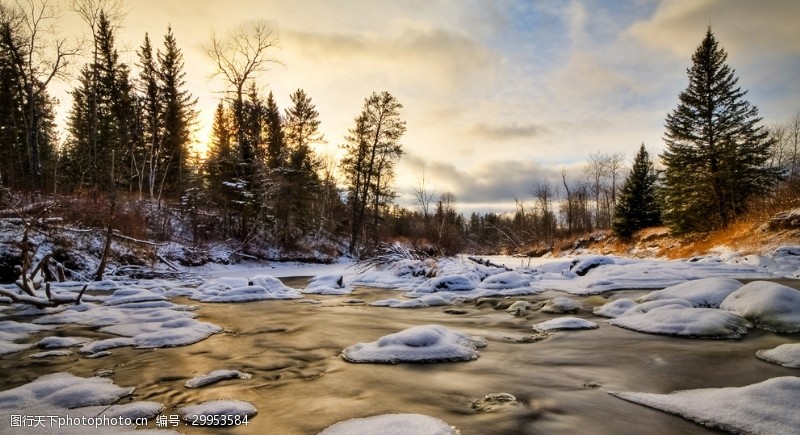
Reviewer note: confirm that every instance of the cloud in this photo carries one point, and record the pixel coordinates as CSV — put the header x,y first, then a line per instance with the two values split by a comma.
x,y
748,27
506,131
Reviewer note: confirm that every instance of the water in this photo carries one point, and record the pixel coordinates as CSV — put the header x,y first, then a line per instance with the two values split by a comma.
x,y
300,385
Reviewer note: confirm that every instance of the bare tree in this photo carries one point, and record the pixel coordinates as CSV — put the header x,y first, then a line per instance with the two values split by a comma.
x,y
28,30
424,198
241,56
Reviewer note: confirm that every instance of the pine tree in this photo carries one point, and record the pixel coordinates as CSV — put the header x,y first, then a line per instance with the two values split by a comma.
x,y
637,206
715,150
300,181
276,154
179,114
152,123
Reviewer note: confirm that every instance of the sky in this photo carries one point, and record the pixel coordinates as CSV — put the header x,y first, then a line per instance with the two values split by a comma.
x,y
498,95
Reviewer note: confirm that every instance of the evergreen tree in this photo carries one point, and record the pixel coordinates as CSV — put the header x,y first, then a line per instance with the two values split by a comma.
x,y
637,206
276,154
715,150
300,182
152,122
179,114
102,121
220,167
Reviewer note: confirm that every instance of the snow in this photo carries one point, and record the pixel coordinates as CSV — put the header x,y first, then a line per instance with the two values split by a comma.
x,y
563,323
425,343
50,353
215,376
769,305
60,342
561,305
702,293
505,280
769,407
615,308
217,408
518,307
327,285
257,288
682,321
392,424
787,355
63,391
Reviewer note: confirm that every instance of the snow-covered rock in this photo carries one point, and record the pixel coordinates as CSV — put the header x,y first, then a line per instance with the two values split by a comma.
x,y
787,355
768,305
561,305
215,376
563,323
518,307
449,283
614,308
702,293
769,407
426,343
326,285
505,280
392,424
686,322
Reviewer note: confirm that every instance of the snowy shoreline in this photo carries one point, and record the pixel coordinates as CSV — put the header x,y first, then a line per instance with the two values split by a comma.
x,y
699,298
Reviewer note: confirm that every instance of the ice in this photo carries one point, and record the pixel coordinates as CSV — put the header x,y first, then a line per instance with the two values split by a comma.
x,y
561,305
702,293
426,343
231,411
787,355
769,305
11,331
769,407
686,322
562,323
392,424
95,347
7,347
215,376
327,285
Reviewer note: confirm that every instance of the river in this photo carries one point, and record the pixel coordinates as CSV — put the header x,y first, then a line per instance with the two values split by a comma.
x,y
300,385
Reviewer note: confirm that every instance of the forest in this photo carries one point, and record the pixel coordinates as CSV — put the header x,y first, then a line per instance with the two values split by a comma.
x,y
126,160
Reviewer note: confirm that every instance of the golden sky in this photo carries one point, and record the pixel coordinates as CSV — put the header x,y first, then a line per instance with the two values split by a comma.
x,y
498,95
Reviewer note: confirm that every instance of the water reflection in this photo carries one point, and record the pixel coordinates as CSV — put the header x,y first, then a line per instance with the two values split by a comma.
x,y
300,385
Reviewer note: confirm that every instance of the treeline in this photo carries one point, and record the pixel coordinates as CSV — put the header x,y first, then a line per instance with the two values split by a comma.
x,y
127,154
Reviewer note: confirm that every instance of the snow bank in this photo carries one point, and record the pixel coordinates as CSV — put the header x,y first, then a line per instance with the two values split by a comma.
x,y
426,343
61,342
702,293
770,306
11,331
686,322
215,376
63,391
769,407
565,323
392,424
424,301
787,355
